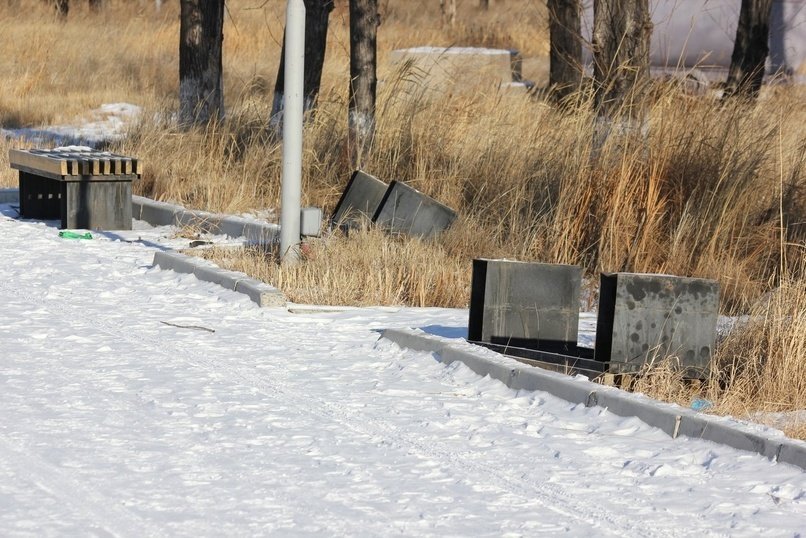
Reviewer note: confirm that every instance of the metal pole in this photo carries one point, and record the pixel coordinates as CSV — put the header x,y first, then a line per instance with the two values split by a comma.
x,y
292,130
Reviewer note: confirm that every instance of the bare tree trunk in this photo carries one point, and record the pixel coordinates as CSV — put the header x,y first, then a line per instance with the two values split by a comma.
x,y
317,14
95,5
201,95
448,9
565,73
364,22
62,7
750,50
621,34
484,4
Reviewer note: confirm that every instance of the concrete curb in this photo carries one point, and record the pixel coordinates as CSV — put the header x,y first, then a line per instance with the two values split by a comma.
x,y
262,294
165,214
672,419
9,196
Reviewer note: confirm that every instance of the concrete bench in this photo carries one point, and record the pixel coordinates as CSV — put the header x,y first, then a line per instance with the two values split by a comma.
x,y
83,188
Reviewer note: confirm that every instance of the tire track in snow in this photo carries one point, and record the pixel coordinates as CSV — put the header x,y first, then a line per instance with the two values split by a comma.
x,y
552,496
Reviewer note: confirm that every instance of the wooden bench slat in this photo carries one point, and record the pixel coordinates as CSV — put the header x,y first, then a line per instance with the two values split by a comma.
x,y
40,161
74,162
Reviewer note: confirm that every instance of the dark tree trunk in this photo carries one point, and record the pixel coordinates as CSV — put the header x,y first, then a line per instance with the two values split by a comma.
x,y
317,14
749,50
448,10
201,95
621,34
95,5
565,53
62,7
484,4
364,22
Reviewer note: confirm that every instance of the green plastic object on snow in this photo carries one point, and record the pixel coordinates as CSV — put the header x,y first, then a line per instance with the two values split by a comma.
x,y
67,234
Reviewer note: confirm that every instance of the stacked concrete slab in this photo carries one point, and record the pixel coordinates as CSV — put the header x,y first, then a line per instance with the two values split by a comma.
x,y
429,70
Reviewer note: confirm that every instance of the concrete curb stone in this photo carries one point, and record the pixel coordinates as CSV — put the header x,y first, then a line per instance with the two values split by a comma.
x,y
671,419
9,196
163,214
259,292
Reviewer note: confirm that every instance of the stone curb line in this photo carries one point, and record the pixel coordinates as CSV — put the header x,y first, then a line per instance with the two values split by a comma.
x,y
162,214
261,293
9,196
671,419
165,214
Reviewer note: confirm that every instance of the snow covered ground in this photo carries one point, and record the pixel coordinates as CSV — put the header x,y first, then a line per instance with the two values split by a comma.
x,y
107,123
139,402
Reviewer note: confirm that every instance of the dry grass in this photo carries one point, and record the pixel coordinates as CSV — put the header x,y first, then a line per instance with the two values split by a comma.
x,y
714,191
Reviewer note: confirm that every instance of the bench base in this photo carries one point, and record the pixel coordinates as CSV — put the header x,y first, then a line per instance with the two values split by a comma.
x,y
89,202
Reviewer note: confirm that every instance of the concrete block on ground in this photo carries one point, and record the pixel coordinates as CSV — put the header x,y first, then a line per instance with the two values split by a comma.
x,y
479,365
203,221
417,342
646,316
793,453
725,434
256,232
649,411
159,213
173,261
455,69
406,210
529,305
310,222
216,275
261,293
361,197
563,387
9,196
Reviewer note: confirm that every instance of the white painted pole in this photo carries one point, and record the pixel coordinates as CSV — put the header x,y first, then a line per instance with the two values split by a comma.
x,y
292,130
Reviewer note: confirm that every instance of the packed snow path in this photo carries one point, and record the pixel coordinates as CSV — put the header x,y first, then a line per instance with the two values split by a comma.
x,y
115,421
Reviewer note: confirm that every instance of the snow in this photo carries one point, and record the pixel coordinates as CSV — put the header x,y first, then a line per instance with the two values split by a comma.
x,y
249,421
107,123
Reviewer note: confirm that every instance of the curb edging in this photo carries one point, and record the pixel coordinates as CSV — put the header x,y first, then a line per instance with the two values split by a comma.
x,y
672,419
165,214
259,292
9,196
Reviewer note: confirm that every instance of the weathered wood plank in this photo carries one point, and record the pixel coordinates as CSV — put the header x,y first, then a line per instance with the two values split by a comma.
x,y
36,161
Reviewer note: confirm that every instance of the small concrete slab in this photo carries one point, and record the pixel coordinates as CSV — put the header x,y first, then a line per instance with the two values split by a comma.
x,y
443,69
646,316
405,210
360,199
527,305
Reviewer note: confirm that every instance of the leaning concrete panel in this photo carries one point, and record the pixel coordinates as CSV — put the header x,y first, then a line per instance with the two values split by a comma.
x,y
645,317
361,197
408,211
530,305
